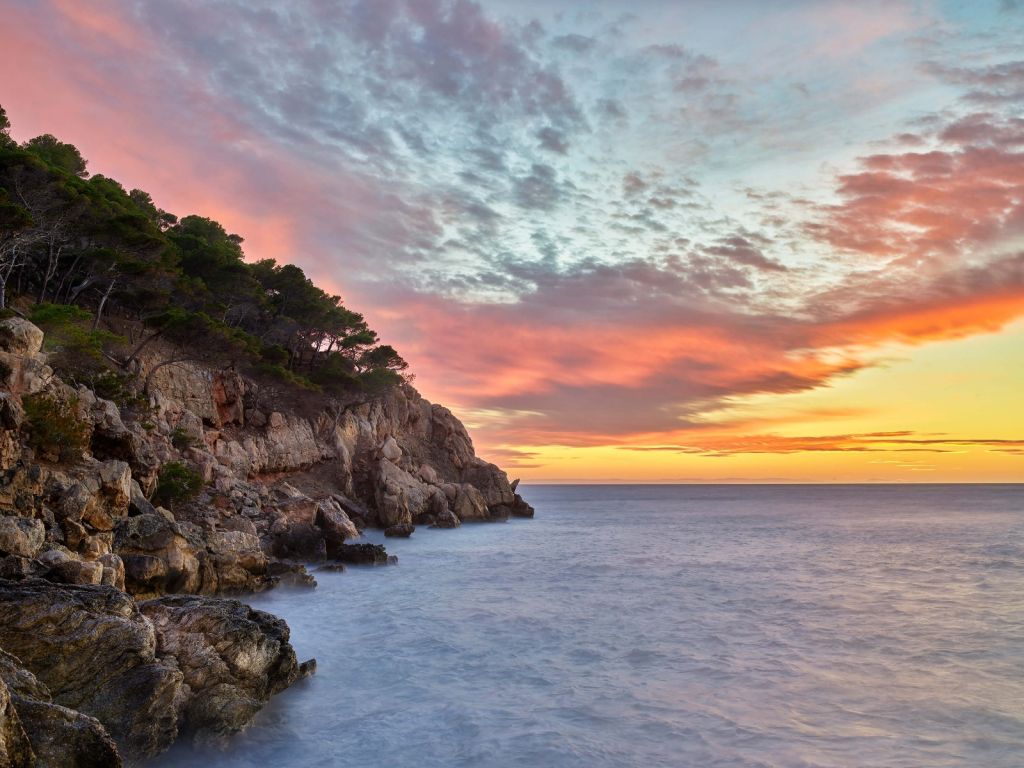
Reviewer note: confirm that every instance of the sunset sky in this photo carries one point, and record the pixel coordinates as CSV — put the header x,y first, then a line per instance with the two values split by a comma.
x,y
649,240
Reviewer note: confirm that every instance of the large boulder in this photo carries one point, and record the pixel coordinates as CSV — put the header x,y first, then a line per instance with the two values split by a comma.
x,y
19,337
234,658
96,653
21,536
158,556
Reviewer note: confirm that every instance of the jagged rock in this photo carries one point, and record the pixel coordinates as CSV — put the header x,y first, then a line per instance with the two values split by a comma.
x,y
514,484
237,559
293,532
228,390
399,531
96,653
490,481
363,554
63,737
290,574
20,337
138,504
446,520
469,504
158,556
78,572
21,536
234,658
520,508
58,736
335,524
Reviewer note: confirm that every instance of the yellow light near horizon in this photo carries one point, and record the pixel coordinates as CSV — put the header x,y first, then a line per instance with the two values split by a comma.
x,y
968,389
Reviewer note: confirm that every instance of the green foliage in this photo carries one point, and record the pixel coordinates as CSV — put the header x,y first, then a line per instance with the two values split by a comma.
x,y
5,129
76,352
178,483
53,428
122,388
85,242
181,439
57,154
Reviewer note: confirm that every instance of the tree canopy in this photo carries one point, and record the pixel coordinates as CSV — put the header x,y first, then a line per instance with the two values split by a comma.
x,y
71,238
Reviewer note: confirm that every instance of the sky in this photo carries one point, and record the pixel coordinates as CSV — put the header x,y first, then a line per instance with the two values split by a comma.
x,y
658,241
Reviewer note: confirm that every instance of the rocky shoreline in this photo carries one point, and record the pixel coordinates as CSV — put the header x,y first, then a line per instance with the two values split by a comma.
x,y
116,635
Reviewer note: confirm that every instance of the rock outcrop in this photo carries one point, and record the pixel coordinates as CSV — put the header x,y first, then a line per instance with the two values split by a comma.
x,y
88,673
144,671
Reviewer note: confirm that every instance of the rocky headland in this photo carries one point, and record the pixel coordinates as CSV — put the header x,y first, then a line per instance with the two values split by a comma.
x,y
118,635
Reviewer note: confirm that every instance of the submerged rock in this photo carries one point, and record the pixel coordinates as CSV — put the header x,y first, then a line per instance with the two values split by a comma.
x,y
364,554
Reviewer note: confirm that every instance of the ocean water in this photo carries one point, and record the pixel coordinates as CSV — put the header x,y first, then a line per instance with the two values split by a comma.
x,y
783,626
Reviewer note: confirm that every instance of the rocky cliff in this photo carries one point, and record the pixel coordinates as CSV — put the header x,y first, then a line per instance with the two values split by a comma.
x,y
113,639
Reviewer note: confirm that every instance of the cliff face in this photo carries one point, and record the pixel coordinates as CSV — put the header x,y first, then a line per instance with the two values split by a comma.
x,y
278,487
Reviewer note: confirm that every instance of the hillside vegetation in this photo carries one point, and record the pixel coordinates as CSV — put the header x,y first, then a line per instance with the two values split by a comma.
x,y
106,273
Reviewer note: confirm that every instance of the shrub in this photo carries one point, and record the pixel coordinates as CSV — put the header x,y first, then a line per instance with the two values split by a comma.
x,y
76,353
53,429
178,483
120,388
181,439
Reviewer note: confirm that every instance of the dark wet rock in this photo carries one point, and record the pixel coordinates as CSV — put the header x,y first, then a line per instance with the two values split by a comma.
x,y
399,531
446,520
290,574
63,737
332,568
363,554
59,736
520,508
234,658
96,654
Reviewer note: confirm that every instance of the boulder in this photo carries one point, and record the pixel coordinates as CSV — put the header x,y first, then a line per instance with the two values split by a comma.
x,y
469,505
446,520
399,531
233,658
20,337
21,536
335,524
363,554
96,654
158,556
390,450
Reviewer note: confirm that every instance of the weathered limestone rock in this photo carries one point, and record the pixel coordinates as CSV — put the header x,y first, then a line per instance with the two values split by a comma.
x,y
234,658
20,337
58,736
469,505
158,556
335,524
96,653
15,748
391,450
490,481
21,536
399,531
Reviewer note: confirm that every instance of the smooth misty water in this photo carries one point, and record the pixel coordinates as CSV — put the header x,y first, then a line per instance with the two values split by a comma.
x,y
670,626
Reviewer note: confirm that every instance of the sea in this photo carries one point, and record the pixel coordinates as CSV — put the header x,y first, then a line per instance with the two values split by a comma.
x,y
772,626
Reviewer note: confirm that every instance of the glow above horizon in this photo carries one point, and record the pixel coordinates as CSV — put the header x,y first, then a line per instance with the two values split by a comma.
x,y
651,241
